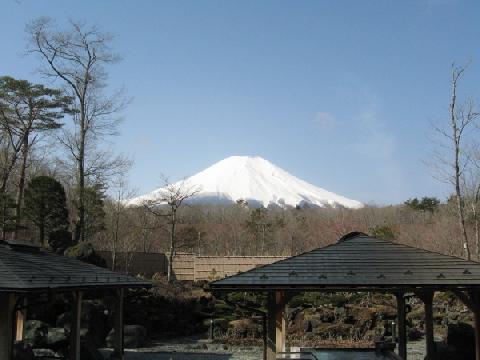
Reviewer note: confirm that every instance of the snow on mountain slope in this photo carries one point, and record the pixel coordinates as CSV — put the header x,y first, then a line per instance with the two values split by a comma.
x,y
255,180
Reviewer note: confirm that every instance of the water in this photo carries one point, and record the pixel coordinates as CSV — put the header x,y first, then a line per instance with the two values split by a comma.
x,y
348,355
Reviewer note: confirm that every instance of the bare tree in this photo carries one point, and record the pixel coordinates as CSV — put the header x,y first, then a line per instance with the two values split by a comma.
x,y
116,216
166,205
77,57
453,165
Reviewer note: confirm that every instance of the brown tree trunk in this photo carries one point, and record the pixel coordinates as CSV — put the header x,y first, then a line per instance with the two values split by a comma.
x,y
80,228
21,186
456,136
172,245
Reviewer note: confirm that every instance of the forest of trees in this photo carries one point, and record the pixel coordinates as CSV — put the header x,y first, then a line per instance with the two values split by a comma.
x,y
59,186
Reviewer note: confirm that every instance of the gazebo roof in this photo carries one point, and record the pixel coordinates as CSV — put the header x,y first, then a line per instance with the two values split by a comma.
x,y
26,268
358,261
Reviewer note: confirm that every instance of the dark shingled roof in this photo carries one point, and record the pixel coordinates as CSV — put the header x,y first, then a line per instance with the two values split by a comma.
x,y
27,268
362,262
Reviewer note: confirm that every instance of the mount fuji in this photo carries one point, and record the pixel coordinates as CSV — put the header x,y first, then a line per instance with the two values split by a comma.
x,y
254,180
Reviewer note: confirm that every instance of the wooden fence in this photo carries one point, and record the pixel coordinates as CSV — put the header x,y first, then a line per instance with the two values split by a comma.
x,y
136,263
217,267
183,266
186,266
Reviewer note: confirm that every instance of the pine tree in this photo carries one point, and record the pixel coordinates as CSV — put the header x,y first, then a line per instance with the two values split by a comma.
x,y
7,214
45,206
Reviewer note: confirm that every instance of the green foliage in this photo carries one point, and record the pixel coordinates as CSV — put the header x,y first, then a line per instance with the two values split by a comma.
x,y
383,232
45,205
32,107
7,213
85,252
59,240
429,204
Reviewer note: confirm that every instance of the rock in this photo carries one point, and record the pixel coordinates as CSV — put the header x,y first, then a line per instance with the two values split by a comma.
x,y
308,327
47,353
414,334
35,333
57,339
135,336
94,322
22,351
292,313
244,327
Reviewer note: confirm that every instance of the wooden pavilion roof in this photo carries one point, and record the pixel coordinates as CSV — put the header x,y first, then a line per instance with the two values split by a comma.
x,y
26,268
359,262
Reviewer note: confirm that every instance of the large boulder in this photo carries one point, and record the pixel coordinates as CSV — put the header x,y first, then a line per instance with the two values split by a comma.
x,y
47,354
245,328
135,336
57,339
94,322
35,333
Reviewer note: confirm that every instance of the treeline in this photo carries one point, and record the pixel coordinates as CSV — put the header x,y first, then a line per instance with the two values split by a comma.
x,y
240,230
54,169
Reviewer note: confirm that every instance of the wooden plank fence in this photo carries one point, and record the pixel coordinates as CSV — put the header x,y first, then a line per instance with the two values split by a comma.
x,y
217,267
186,266
136,263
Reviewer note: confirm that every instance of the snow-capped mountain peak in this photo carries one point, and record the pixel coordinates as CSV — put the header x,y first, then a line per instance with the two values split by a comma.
x,y
255,180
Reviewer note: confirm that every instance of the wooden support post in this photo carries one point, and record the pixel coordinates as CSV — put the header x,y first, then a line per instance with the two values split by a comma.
x,y
402,329
476,319
76,313
21,317
475,297
427,297
118,350
280,322
472,300
264,328
276,324
7,308
430,340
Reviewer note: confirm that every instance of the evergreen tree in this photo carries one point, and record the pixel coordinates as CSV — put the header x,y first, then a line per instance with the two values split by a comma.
x,y
7,214
45,206
94,200
26,111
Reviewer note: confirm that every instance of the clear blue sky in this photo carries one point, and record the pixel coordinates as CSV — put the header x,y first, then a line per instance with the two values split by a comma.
x,y
339,93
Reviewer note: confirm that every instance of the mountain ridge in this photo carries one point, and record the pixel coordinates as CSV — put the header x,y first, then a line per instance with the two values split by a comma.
x,y
255,180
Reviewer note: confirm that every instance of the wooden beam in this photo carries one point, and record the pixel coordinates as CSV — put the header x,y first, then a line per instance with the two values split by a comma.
x,y
118,350
475,298
21,317
402,329
264,329
20,322
7,308
76,313
471,299
276,324
280,322
427,298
